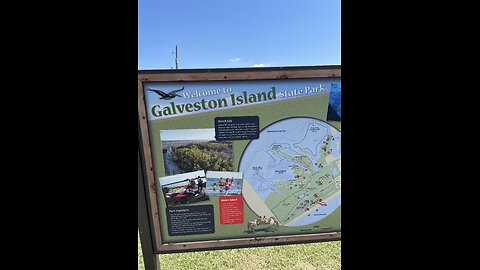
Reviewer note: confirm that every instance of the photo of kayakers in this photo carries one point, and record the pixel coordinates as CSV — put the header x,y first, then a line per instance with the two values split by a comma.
x,y
186,188
224,183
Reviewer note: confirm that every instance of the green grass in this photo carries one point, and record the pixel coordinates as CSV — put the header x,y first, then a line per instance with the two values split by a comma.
x,y
141,266
324,255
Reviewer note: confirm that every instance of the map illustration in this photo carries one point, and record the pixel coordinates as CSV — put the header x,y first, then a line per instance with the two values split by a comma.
x,y
293,171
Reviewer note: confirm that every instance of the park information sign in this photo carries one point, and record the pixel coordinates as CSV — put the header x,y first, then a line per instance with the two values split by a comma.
x,y
241,157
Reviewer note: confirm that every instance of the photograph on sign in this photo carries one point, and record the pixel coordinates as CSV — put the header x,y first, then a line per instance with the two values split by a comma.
x,y
185,188
187,150
245,159
224,183
335,103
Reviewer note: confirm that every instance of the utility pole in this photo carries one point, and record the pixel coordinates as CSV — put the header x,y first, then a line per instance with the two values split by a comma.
x,y
176,56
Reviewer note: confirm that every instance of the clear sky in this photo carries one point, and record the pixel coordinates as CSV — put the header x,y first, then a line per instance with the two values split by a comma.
x,y
238,33
179,177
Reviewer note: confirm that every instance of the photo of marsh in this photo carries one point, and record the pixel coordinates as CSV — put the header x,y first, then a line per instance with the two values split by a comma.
x,y
188,150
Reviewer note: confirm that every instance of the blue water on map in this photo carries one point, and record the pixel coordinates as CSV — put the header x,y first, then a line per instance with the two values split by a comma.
x,y
334,172
336,146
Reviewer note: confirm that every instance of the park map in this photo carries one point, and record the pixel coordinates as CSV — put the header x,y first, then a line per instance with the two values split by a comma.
x,y
295,170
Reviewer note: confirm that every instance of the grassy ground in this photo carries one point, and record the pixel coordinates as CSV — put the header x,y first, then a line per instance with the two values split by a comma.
x,y
304,256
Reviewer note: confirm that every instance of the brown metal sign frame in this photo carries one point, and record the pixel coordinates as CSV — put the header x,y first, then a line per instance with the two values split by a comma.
x,y
146,163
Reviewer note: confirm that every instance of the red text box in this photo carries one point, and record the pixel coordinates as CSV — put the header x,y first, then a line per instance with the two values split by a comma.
x,y
231,209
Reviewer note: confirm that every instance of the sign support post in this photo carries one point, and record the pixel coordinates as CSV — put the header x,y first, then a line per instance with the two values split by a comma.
x,y
150,259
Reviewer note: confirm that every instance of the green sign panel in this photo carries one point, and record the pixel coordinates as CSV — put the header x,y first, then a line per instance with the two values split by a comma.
x,y
243,162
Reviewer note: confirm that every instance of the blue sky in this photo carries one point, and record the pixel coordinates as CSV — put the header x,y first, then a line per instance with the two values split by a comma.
x,y
238,33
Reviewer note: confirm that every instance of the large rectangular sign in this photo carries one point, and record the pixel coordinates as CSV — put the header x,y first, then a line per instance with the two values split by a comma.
x,y
243,157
